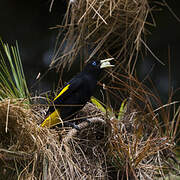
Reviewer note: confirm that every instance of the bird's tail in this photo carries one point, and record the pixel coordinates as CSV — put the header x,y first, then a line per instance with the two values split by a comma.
x,y
52,120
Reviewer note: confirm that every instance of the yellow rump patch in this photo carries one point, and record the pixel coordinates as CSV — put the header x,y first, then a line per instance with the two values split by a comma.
x,y
62,91
52,120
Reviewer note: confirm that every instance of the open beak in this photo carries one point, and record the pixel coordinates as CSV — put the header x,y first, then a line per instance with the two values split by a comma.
x,y
106,63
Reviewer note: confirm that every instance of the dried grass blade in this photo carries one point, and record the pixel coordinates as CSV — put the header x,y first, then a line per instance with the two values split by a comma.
x,y
7,115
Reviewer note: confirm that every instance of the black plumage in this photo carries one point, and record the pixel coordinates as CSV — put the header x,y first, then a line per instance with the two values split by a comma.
x,y
75,94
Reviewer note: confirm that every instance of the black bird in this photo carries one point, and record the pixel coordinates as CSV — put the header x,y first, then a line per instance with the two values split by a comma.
x,y
75,94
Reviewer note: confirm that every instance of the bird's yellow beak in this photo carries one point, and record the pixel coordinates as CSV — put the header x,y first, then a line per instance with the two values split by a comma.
x,y
52,120
106,63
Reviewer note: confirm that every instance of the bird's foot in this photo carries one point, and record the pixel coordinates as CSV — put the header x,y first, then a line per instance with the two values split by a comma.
x,y
87,120
73,125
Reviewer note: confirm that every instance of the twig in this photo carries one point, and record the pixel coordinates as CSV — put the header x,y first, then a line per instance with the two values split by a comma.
x,y
13,154
50,8
151,52
45,168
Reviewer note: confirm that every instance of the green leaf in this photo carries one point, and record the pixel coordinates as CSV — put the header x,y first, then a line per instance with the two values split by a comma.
x,y
122,109
110,112
98,104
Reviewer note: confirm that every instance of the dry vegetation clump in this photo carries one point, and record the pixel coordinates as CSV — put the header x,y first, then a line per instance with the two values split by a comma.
x,y
22,143
135,146
144,139
139,151
30,152
84,154
136,143
102,28
14,115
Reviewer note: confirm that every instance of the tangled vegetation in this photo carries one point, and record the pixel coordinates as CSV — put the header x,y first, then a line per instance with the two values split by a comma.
x,y
137,140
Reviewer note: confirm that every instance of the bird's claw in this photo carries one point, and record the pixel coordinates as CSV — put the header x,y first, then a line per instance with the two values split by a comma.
x,y
73,125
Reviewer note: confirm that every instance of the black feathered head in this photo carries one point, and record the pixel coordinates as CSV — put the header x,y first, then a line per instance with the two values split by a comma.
x,y
96,66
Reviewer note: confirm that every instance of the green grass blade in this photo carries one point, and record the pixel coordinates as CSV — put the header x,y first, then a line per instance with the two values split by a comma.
x,y
98,104
122,109
12,78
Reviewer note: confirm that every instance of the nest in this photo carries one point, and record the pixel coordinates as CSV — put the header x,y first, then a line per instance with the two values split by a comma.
x,y
102,28
17,126
28,151
101,149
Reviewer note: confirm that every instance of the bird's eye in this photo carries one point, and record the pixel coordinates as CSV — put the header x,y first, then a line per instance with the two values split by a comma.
x,y
94,63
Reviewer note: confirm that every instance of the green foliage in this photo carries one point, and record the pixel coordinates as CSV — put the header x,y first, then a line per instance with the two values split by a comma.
x,y
108,110
12,79
98,104
122,109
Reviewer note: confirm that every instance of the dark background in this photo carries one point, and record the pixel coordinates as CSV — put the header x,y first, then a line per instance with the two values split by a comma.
x,y
28,22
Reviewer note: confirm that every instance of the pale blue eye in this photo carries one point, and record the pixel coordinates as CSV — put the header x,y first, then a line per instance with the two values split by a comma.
x,y
94,63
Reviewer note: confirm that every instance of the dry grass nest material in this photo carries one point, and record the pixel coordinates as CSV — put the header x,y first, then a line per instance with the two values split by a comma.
x,y
21,141
100,147
102,28
28,151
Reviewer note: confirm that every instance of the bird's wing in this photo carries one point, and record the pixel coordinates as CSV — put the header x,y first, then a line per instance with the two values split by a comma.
x,y
68,90
65,92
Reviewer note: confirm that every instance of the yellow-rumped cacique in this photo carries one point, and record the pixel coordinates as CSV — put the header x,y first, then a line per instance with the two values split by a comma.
x,y
74,95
